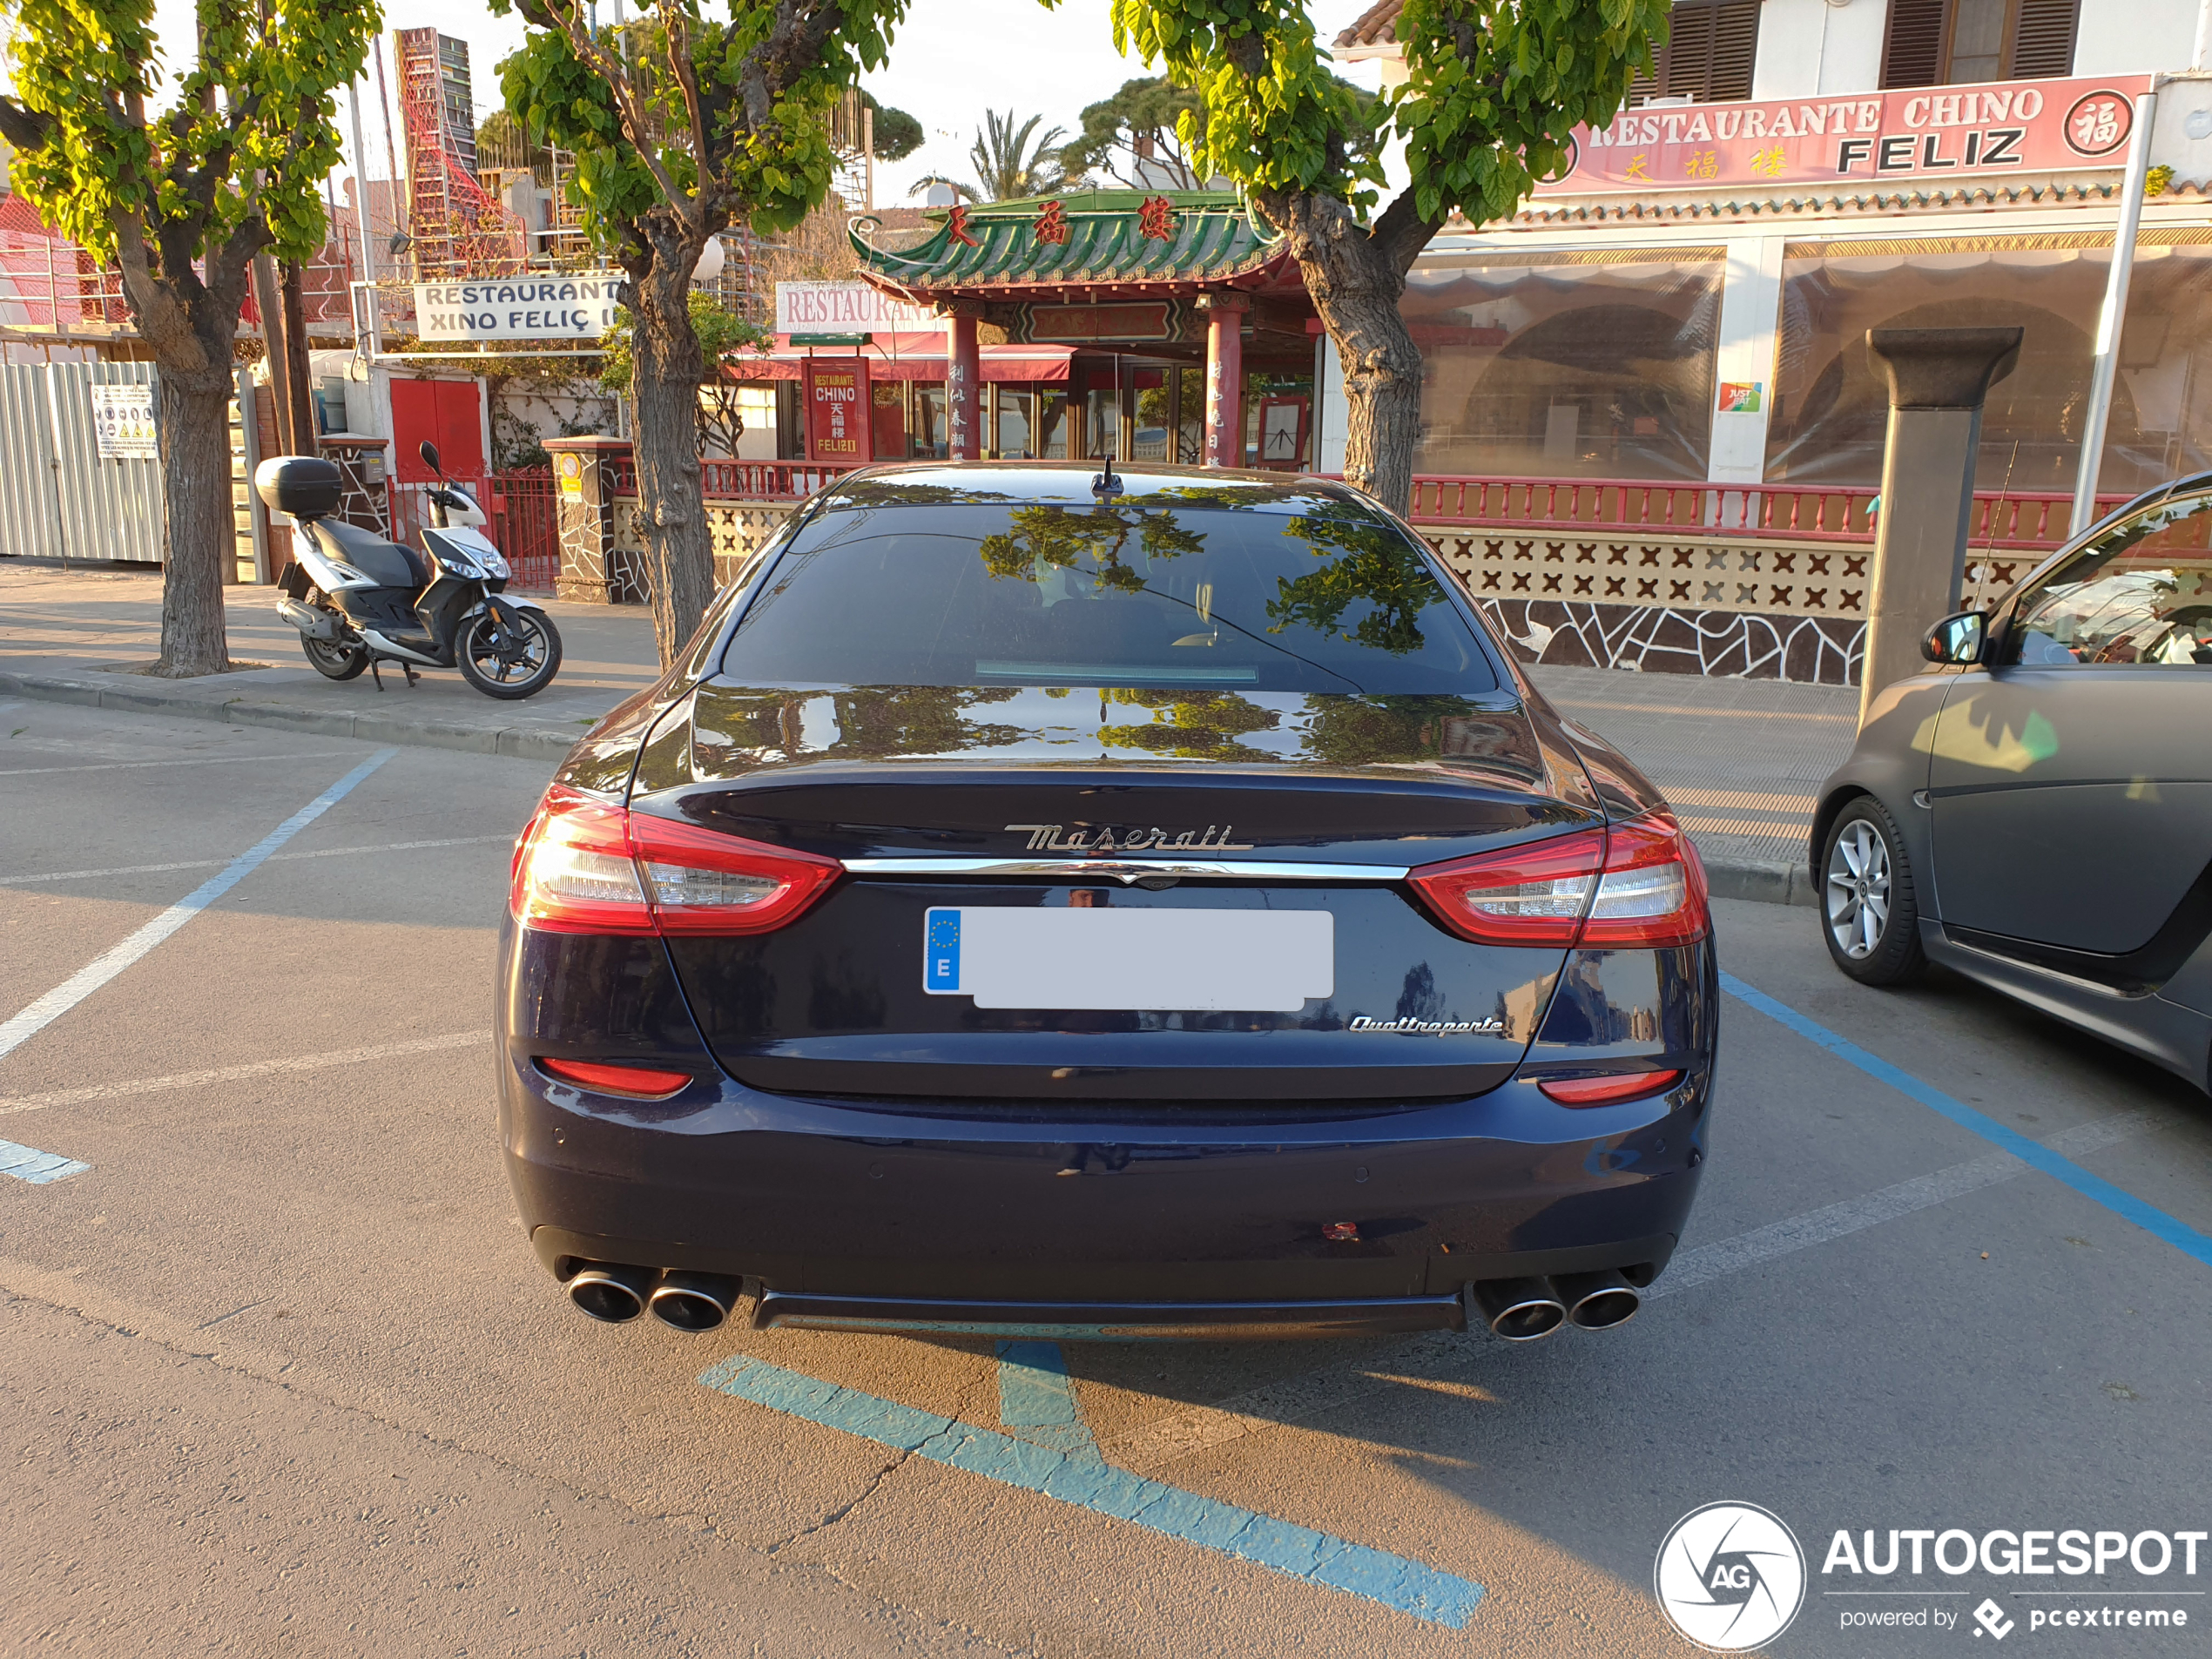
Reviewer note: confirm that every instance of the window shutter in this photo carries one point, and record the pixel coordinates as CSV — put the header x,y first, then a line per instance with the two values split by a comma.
x,y
1736,44
1709,51
1913,54
2044,44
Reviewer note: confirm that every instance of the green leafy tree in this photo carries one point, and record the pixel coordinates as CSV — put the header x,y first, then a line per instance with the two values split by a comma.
x,y
724,337
181,199
683,124
1131,137
1012,162
1493,89
898,135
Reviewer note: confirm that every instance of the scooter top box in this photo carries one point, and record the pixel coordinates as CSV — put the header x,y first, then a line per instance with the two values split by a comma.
x,y
304,486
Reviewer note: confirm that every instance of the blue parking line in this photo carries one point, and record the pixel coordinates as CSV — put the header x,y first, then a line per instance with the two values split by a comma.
x,y
2149,1217
28,1164
1081,1477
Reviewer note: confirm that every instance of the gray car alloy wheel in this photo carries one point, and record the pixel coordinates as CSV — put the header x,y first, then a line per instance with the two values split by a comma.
x,y
1858,890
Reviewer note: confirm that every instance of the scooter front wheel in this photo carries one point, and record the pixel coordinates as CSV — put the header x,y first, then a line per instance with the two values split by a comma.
x,y
509,663
334,661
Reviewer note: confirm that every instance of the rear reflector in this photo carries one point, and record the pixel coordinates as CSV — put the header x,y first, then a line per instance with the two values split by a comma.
x,y
1637,883
1609,1090
583,866
640,1081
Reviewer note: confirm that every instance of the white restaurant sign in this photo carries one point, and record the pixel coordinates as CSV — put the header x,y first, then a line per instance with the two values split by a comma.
x,y
554,307
847,308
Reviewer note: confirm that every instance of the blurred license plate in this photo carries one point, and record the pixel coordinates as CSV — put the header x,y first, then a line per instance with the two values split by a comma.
x,y
1219,961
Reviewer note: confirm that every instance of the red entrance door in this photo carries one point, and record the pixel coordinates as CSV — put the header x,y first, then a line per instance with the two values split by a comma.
x,y
449,413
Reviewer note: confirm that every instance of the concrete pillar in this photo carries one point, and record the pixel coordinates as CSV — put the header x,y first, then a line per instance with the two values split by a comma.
x,y
584,480
963,384
1225,378
1938,378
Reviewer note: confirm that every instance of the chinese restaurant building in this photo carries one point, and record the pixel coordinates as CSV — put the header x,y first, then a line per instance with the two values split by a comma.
x,y
1151,326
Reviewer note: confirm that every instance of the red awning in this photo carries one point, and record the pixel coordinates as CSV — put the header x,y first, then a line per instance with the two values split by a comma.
x,y
906,356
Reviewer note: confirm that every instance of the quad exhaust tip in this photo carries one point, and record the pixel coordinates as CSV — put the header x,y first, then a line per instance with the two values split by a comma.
x,y
695,1302
611,1294
1526,1310
1518,1310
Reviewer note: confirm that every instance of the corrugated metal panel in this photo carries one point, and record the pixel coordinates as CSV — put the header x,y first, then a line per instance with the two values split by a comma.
x,y
110,508
29,528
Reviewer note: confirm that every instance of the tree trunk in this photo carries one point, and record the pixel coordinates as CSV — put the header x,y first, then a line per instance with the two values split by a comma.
x,y
1355,279
194,439
669,369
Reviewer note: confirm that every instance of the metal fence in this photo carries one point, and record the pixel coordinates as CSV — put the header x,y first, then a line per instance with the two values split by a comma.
x,y
59,496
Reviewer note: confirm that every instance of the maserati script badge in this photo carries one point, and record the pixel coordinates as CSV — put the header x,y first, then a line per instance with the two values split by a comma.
x,y
1047,838
1492,1026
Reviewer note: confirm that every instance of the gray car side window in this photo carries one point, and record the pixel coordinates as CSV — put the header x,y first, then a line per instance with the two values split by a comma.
x,y
2140,594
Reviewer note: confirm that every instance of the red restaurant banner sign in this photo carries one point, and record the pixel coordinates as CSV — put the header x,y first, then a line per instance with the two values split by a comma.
x,y
1923,132
836,409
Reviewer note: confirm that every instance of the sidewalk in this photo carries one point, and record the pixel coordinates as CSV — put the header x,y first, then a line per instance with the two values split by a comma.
x,y
71,631
1740,759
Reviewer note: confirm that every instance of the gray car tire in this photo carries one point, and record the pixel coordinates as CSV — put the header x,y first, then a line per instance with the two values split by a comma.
x,y
1868,913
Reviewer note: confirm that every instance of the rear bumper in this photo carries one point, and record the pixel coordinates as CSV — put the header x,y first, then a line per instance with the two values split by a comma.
x,y
1064,1223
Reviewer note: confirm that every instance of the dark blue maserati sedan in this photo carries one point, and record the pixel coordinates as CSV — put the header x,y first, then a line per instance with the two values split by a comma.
x,y
1140,905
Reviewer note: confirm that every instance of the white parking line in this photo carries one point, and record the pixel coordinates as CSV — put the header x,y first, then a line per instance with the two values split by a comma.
x,y
201,760
10,1105
1443,1355
278,857
110,962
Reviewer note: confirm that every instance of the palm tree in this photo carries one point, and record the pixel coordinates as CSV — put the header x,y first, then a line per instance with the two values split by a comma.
x,y
1010,161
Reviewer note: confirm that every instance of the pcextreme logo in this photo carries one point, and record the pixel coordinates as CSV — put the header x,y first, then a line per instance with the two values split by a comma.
x,y
1731,1576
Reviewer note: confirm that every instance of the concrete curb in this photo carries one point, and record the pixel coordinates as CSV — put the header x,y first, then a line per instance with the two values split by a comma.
x,y
522,742
1762,880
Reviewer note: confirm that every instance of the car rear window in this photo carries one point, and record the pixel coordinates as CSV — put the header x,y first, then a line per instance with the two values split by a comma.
x,y
1128,595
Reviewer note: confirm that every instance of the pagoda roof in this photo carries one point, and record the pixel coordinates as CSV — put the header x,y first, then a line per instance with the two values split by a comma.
x,y
1216,246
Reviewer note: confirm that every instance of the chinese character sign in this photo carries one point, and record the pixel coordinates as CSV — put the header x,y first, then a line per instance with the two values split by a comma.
x,y
836,409
1924,133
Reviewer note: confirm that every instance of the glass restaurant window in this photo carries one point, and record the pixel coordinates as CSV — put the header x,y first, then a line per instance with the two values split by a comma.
x,y
1831,408
1595,365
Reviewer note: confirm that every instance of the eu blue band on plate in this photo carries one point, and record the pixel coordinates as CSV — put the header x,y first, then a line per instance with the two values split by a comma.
x,y
940,951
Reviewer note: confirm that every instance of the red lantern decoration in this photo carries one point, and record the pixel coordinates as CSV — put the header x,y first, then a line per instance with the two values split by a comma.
x,y
1156,220
1052,225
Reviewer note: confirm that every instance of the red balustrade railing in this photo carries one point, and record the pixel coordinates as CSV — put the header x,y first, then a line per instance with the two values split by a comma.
x,y
1818,513
747,480
2025,520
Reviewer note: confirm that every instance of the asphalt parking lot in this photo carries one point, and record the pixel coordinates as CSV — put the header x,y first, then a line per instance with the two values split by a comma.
x,y
282,1376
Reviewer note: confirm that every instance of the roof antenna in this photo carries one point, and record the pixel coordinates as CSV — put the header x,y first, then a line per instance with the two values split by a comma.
x,y
1105,483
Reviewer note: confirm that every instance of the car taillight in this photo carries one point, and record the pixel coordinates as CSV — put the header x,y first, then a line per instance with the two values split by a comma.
x,y
1633,883
645,1083
1609,1089
583,866
1535,894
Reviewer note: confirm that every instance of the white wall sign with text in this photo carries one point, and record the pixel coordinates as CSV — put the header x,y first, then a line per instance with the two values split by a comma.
x,y
123,423
846,307
553,307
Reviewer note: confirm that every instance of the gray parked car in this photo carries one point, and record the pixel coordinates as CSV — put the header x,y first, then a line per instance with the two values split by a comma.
x,y
2035,810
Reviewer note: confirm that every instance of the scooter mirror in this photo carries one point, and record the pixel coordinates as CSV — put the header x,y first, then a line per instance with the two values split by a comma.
x,y
428,451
